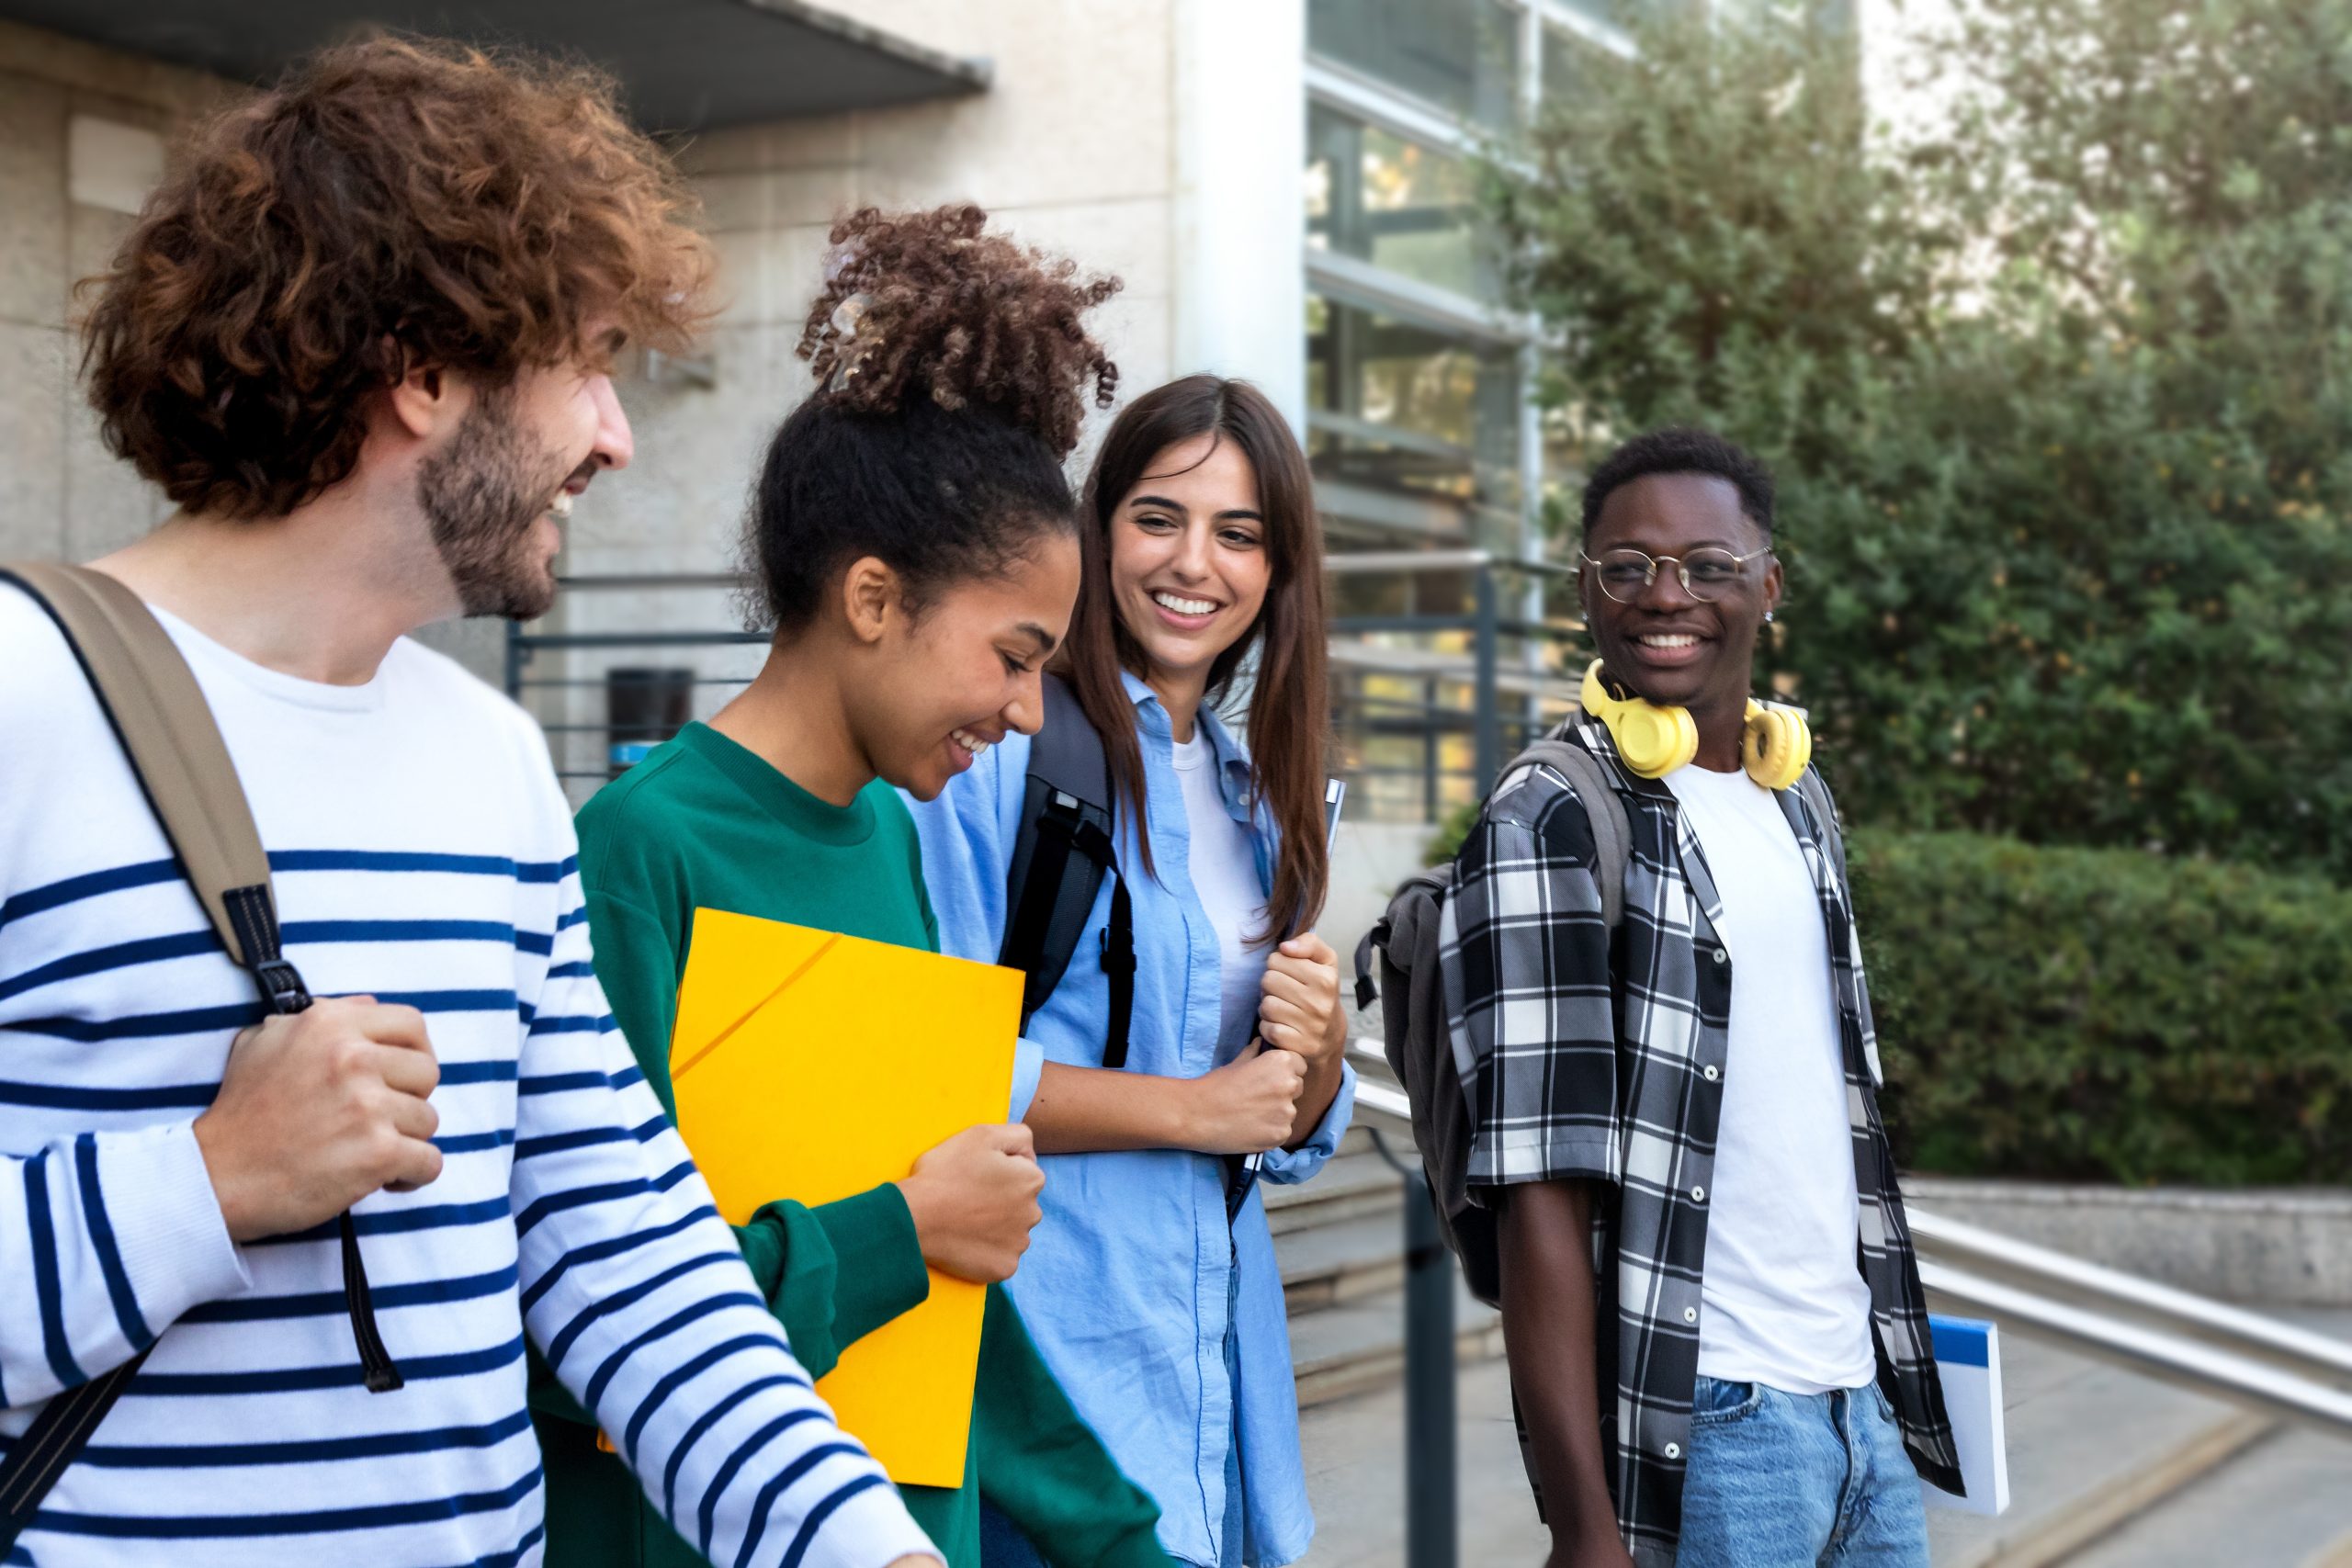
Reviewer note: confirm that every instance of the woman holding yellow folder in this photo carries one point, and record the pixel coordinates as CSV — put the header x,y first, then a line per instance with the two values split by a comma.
x,y
914,544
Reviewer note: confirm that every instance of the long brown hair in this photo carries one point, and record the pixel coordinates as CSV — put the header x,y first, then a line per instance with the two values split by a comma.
x,y
1289,710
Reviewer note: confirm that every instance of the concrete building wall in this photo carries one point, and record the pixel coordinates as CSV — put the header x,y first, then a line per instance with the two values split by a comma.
x,y
1159,140
81,132
1069,149
1077,147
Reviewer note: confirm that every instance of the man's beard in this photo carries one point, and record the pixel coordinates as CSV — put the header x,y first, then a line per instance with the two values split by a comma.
x,y
481,496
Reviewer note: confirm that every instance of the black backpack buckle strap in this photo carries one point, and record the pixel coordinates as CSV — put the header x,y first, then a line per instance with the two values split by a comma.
x,y
1060,855
281,987
252,913
1119,964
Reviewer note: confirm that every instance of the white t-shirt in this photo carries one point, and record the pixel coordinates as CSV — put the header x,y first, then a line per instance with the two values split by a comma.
x,y
1223,868
1783,1300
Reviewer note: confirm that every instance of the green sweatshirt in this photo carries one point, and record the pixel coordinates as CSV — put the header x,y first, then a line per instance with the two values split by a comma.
x,y
703,823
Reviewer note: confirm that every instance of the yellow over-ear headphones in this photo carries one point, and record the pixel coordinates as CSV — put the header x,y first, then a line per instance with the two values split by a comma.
x,y
1652,742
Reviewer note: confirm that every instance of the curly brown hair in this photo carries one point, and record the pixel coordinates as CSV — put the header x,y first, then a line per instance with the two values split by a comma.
x,y
390,203
929,301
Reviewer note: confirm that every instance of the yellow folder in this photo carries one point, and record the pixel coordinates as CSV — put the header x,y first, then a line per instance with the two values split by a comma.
x,y
813,1065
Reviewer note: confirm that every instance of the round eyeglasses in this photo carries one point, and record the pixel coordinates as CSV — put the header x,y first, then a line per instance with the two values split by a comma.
x,y
1705,574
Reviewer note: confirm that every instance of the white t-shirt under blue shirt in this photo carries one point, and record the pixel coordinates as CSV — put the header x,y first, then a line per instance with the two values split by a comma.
x,y
1783,1300
1223,868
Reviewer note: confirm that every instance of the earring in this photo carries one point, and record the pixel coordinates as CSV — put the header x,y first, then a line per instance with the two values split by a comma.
x,y
1768,618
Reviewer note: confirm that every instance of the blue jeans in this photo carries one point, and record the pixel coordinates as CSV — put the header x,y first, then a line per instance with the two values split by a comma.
x,y
1798,1481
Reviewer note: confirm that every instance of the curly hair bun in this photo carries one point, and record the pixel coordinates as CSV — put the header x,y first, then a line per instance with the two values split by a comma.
x,y
928,304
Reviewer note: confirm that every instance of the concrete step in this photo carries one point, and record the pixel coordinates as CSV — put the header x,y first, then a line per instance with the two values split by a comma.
x,y
1355,1478
2091,1448
1338,1261
2108,1468
1351,1349
2093,1451
1351,1186
1340,1243
2096,1453
2284,1501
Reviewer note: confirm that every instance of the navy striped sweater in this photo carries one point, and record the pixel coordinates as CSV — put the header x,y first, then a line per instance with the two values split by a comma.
x,y
422,853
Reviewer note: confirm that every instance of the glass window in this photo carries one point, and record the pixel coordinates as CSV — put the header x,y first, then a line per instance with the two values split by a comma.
x,y
1569,62
1459,55
1397,406
1832,18
1608,13
1395,203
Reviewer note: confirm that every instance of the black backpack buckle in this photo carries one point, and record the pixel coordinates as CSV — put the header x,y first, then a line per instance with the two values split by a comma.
x,y
281,985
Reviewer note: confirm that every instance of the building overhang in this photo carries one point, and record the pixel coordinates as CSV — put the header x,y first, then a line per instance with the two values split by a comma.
x,y
683,66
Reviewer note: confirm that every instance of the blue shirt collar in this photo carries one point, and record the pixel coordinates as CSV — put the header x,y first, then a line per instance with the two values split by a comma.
x,y
1232,755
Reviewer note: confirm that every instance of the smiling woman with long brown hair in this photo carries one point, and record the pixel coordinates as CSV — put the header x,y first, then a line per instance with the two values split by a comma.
x,y
1152,1285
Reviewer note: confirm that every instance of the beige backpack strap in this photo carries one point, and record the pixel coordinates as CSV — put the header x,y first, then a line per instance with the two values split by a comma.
x,y
159,713
175,751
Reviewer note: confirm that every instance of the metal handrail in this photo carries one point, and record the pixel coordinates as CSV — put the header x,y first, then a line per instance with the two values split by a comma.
x,y
1383,1100
2190,1362
1340,563
1361,648
2200,1344
2249,1333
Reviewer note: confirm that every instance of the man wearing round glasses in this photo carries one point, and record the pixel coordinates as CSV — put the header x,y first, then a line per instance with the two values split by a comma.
x,y
1692,648
1717,1336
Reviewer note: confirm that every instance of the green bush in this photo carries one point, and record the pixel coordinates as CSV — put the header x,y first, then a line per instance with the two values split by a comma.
x,y
2107,1014
1446,841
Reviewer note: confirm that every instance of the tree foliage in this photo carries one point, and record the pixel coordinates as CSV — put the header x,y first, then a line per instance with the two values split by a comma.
x,y
2058,387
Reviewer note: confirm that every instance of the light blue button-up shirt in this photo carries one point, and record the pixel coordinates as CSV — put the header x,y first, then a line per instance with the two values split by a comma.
x,y
1126,1282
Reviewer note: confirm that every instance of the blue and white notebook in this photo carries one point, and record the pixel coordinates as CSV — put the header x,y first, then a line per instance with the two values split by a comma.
x,y
1968,1357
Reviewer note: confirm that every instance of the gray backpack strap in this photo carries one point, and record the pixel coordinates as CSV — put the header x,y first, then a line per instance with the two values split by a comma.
x,y
1816,791
1400,962
1612,833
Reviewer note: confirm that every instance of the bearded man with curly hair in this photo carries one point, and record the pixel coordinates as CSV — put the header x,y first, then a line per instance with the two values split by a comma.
x,y
362,336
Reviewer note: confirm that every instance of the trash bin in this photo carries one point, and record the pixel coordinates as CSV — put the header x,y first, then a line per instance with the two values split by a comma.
x,y
643,708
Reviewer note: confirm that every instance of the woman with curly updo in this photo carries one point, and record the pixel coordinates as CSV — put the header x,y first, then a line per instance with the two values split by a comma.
x,y
1182,1069
913,544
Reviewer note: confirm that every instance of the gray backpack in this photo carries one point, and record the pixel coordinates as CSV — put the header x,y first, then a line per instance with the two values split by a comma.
x,y
1413,1011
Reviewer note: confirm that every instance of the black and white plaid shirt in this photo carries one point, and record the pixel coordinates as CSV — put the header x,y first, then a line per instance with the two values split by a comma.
x,y
1576,1066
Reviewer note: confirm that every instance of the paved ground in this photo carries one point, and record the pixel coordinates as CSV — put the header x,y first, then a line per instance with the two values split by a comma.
x,y
1355,1475
2082,1437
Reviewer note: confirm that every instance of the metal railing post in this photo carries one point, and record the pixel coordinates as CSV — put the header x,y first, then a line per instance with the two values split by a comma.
x,y
1429,752
1432,1534
1489,746
518,653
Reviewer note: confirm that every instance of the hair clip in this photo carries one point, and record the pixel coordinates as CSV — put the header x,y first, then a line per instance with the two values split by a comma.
x,y
853,340
842,258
